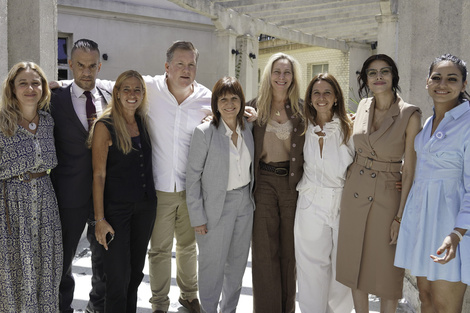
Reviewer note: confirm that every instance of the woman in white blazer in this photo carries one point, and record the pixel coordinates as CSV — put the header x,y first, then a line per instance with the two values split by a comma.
x,y
219,183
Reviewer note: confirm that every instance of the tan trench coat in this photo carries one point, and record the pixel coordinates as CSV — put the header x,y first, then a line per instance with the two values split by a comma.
x,y
370,202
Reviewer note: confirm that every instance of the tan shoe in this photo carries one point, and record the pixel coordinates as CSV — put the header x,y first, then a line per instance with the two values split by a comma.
x,y
192,306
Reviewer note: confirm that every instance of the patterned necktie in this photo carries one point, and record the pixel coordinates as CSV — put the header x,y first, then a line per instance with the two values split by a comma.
x,y
90,109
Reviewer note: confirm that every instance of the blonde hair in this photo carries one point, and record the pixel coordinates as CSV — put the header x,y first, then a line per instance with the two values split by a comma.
x,y
10,111
115,113
265,95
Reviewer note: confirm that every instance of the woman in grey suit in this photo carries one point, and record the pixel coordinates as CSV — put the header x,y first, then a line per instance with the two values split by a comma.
x,y
219,182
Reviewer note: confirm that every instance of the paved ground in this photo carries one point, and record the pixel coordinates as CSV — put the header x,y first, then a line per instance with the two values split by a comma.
x,y
82,274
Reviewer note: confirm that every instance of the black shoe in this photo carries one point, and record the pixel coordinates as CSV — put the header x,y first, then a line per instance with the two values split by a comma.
x,y
90,310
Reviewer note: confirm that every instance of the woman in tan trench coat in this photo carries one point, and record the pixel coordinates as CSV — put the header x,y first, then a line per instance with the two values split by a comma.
x,y
371,206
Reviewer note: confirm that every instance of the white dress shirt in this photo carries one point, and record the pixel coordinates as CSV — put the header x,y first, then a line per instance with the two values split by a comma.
x,y
171,127
240,160
79,103
326,169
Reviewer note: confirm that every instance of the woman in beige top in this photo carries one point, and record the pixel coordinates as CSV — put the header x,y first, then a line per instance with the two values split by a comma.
x,y
278,168
371,206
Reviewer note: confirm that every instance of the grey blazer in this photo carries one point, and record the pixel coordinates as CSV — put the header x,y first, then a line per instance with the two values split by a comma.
x,y
207,172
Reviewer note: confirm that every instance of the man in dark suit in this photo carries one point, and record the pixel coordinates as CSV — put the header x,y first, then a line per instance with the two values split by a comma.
x,y
72,178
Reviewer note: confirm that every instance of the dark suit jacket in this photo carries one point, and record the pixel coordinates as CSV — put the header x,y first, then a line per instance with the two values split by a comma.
x,y
73,176
296,160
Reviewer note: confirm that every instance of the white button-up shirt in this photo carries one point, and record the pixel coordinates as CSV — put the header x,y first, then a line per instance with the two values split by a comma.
x,y
240,160
79,103
171,127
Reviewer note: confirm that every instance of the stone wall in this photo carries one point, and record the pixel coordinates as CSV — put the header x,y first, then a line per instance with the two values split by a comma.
x,y
3,38
137,37
426,30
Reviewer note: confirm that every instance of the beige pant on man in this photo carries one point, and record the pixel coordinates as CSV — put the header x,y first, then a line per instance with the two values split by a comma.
x,y
172,221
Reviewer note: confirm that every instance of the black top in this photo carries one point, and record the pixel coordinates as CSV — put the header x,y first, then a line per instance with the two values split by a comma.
x,y
129,177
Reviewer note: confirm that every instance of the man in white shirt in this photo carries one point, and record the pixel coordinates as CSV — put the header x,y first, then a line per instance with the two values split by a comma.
x,y
177,105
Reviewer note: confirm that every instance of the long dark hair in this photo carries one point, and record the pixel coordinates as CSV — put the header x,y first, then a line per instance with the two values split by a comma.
x,y
461,65
362,78
340,109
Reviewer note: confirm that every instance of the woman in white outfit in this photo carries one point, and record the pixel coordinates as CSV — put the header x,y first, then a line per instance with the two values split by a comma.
x,y
328,151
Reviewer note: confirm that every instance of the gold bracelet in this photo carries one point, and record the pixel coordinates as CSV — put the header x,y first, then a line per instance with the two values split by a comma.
x,y
397,219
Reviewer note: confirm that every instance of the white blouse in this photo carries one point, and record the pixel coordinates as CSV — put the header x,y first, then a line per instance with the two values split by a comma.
x,y
326,169
240,160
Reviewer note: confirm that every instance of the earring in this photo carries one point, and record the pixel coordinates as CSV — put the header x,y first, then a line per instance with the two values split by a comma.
x,y
336,103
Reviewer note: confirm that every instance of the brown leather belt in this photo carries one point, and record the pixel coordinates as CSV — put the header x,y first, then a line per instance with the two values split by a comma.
x,y
25,177
279,171
372,164
28,176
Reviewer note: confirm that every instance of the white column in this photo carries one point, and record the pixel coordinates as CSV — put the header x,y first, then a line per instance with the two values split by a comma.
x,y
224,59
387,35
246,67
426,30
32,33
3,39
358,53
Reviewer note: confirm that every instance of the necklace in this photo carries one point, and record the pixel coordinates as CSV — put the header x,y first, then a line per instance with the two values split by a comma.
x,y
278,112
31,124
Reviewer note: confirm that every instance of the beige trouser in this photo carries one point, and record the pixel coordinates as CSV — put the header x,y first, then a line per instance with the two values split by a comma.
x,y
172,221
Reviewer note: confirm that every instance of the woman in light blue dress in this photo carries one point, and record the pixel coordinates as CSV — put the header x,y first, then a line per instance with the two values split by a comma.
x,y
433,242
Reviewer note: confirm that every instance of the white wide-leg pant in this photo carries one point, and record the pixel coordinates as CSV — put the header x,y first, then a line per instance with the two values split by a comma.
x,y
316,237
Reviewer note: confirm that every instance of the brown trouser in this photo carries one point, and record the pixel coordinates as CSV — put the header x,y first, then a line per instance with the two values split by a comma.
x,y
273,256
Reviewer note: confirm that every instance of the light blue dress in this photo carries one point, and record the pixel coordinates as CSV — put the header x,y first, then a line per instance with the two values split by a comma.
x,y
439,199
